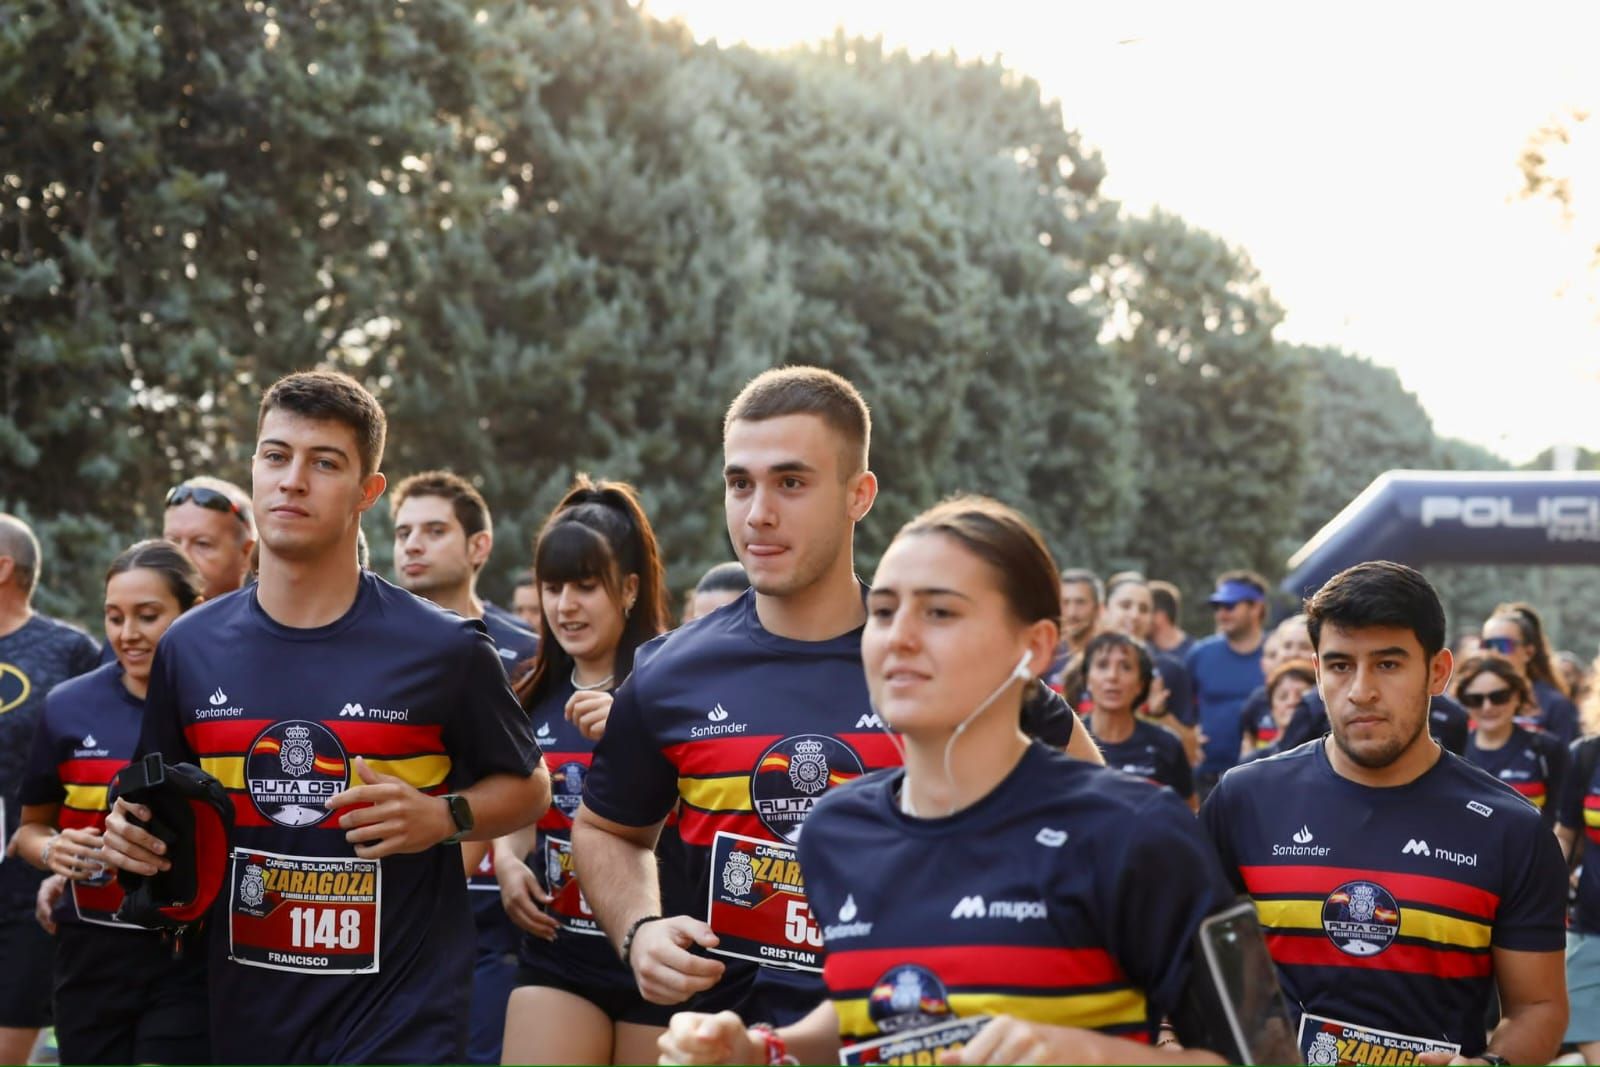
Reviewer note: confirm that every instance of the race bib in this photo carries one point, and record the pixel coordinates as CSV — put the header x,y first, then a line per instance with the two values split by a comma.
x,y
483,879
308,914
758,904
915,1046
97,899
567,903
1329,1041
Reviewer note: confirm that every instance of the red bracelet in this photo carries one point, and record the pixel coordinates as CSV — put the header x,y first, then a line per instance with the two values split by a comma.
x,y
777,1048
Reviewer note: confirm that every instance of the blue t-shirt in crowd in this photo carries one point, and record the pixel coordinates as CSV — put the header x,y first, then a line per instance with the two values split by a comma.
x,y
1382,907
319,956
88,732
1557,715
1049,899
1151,753
34,658
1580,811
1223,680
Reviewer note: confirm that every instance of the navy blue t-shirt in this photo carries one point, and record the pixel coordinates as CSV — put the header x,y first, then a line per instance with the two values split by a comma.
x,y
1049,899
1532,764
87,734
1558,716
34,658
1381,906
497,934
318,956
1180,687
1153,754
1223,680
1580,811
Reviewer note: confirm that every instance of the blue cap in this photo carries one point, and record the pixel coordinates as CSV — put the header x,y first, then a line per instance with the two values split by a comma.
x,y
1233,592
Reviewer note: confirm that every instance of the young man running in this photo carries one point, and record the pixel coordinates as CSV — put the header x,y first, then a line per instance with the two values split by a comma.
x,y
748,716
1398,885
443,536
357,730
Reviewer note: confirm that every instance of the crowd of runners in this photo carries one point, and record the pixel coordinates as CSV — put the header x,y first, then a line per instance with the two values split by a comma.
x,y
569,830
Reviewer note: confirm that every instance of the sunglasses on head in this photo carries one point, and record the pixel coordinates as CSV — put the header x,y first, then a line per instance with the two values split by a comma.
x,y
202,497
1498,697
1503,645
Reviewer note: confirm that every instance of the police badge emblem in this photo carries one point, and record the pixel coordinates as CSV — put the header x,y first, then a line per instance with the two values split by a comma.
x,y
297,754
738,876
808,768
253,886
1324,1050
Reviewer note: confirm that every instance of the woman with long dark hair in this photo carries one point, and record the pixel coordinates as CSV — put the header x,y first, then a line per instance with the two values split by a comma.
x,y
120,995
1516,632
1496,694
602,594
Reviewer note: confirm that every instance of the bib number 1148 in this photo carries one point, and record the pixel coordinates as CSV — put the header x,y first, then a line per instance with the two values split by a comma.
x,y
325,928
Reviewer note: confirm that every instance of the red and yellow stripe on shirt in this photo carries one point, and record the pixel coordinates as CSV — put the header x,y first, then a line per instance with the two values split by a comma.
x,y
85,782
714,779
1534,792
1082,987
1591,817
1445,926
414,754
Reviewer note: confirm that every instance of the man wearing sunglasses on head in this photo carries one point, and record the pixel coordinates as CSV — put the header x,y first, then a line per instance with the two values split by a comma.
x,y
211,520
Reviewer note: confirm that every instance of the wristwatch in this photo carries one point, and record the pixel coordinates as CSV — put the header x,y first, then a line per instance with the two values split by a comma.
x,y
461,813
1494,1059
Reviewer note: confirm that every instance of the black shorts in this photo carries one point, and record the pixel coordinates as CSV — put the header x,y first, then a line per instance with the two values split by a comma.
x,y
27,957
120,997
621,1003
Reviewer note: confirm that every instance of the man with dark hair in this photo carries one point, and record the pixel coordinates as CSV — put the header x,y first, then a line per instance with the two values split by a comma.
x,y
721,585
36,653
1166,608
1226,668
1398,885
443,535
212,521
747,716
525,600
361,733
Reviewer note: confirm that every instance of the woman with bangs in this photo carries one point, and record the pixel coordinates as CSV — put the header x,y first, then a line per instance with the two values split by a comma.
x,y
602,594
1496,694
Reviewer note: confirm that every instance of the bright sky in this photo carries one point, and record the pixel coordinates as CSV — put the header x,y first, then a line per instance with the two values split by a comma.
x,y
1364,155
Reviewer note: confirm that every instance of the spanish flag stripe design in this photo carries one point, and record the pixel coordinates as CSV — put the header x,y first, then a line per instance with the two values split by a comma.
x,y
86,797
978,965
386,740
1315,950
726,793
1091,1011
699,828
422,772
1316,881
89,771
1415,922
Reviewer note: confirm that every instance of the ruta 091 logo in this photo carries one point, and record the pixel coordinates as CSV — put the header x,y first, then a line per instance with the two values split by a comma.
x,y
566,787
793,773
906,997
292,769
1361,918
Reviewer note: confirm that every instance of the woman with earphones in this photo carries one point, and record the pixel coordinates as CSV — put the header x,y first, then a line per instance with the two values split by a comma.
x,y
993,901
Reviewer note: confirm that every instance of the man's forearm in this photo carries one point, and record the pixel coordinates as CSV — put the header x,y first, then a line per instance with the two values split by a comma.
x,y
1530,1033
502,803
617,869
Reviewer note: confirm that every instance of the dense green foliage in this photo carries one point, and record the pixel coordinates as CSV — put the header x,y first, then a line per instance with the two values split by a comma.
x,y
559,236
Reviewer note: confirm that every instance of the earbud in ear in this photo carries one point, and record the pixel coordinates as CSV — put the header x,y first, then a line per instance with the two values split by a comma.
x,y
1022,672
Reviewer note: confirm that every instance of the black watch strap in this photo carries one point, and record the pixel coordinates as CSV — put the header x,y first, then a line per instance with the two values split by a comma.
x,y
461,815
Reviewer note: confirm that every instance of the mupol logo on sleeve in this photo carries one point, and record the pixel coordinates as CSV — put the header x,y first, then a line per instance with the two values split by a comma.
x,y
793,773
292,769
